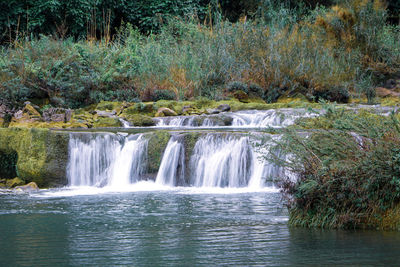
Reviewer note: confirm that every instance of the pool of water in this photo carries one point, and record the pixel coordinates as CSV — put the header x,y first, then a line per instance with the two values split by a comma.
x,y
174,227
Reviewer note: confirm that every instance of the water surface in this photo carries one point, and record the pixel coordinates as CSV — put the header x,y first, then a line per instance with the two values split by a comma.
x,y
174,227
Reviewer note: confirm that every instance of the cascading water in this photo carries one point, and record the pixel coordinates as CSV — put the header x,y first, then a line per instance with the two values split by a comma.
x,y
172,168
106,159
220,160
245,119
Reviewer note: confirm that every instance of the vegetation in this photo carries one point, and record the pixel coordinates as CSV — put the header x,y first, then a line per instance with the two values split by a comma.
x,y
347,170
327,53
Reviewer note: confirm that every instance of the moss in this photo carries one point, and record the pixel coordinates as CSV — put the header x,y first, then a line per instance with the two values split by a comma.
x,y
50,125
138,120
42,154
107,122
190,139
390,101
11,183
1,122
146,108
108,105
157,143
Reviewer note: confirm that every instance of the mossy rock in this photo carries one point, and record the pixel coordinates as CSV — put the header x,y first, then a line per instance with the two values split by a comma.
x,y
42,154
140,108
162,112
73,124
107,122
11,183
157,142
109,105
241,96
138,120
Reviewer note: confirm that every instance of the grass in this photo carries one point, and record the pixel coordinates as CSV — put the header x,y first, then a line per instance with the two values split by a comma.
x,y
331,53
347,170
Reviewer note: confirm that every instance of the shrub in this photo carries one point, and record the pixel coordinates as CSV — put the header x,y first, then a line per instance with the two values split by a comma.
x,y
347,170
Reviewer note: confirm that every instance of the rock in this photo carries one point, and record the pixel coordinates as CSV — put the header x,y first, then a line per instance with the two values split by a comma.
x,y
224,107
68,115
29,109
57,115
139,120
107,122
187,109
213,111
390,84
18,115
11,183
28,114
32,186
241,96
42,154
162,112
383,92
106,114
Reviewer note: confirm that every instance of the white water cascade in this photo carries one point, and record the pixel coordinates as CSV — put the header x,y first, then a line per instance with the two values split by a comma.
x,y
172,168
245,119
227,161
219,160
106,159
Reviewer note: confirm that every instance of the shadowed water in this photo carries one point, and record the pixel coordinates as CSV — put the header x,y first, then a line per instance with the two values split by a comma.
x,y
174,227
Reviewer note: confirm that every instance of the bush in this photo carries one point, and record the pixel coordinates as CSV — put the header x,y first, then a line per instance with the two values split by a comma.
x,y
237,86
347,170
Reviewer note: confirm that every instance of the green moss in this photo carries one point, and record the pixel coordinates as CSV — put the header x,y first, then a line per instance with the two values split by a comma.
x,y
140,108
157,143
51,125
138,120
390,101
42,154
11,183
107,122
108,105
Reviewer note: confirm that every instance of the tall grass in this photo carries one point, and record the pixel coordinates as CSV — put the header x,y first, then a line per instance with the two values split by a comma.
x,y
347,169
330,54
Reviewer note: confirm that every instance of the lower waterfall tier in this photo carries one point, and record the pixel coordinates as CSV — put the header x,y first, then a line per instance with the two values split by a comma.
x,y
199,160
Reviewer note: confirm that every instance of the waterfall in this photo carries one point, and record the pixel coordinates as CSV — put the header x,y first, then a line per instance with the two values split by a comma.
x,y
106,159
224,161
245,119
172,168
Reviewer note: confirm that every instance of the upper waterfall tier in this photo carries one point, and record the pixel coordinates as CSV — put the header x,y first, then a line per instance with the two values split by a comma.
x,y
246,119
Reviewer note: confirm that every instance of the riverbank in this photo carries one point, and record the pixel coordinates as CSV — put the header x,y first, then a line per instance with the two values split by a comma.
x,y
346,169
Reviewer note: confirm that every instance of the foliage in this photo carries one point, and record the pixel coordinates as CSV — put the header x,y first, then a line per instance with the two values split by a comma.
x,y
316,56
347,169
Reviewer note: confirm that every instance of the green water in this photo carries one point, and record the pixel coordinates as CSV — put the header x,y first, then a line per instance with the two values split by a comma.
x,y
179,227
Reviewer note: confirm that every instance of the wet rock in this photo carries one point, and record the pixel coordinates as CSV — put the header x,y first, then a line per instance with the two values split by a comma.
x,y
31,187
165,112
224,108
213,111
